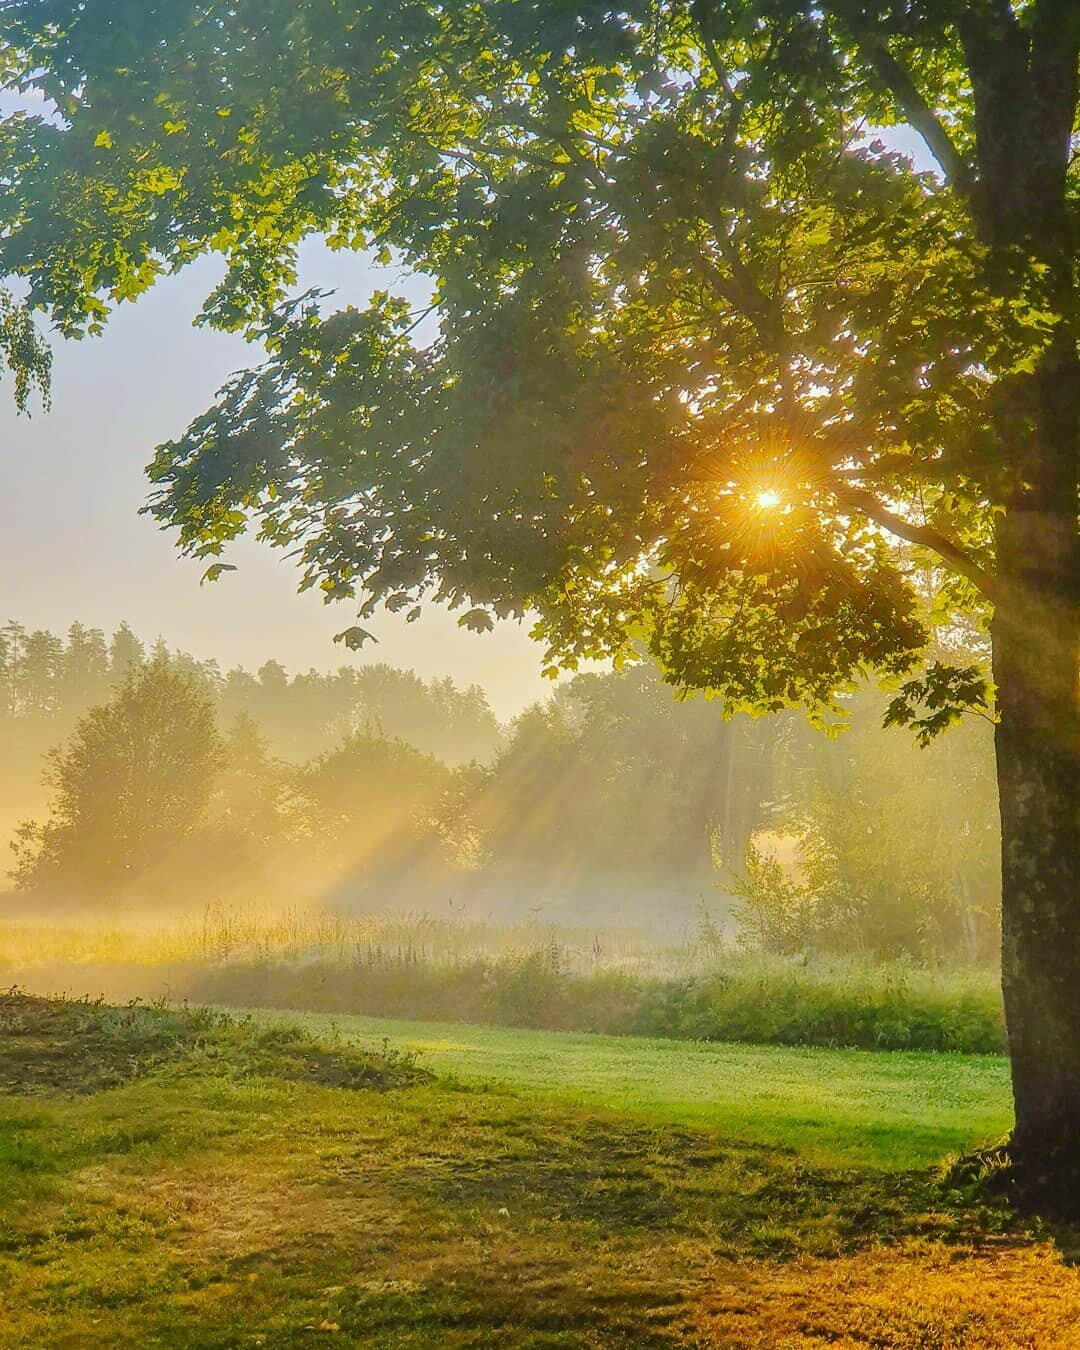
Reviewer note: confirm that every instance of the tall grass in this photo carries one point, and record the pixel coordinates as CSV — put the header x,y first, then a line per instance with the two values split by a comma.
x,y
222,933
742,999
528,974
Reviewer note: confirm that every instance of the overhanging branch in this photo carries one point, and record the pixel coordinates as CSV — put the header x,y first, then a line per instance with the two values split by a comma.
x,y
925,536
896,77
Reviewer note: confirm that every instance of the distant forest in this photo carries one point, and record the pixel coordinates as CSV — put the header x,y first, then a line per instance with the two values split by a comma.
x,y
370,788
47,680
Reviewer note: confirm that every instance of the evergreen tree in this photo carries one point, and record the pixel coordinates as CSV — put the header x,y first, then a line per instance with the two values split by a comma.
x,y
125,653
84,672
37,674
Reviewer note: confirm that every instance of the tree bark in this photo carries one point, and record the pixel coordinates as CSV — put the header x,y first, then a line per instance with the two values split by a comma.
x,y
1036,640
1024,77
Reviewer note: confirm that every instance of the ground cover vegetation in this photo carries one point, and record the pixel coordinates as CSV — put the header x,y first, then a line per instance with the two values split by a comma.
x,y
713,368
529,974
244,1183
738,1000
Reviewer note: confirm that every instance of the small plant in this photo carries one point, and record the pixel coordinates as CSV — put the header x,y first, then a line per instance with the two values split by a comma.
x,y
710,935
778,913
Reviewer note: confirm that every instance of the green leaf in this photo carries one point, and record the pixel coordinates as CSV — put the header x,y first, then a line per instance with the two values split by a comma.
x,y
354,638
216,570
477,621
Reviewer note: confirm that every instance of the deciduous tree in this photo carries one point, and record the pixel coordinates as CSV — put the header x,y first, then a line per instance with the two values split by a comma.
x,y
714,365
132,782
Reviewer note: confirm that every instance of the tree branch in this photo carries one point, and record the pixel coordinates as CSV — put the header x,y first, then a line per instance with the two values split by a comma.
x,y
883,466
898,80
925,536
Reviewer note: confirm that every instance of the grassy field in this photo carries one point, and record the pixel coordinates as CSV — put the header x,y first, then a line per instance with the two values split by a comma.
x,y
530,974
176,1179
140,937
836,1107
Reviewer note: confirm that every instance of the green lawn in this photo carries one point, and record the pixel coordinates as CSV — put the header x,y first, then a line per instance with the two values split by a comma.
x,y
837,1107
172,1178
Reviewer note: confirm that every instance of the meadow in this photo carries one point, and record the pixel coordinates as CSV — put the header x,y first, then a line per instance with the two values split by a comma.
x,y
834,1107
182,1178
695,986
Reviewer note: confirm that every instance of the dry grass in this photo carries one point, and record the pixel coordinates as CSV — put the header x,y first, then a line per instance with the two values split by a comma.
x,y
918,1296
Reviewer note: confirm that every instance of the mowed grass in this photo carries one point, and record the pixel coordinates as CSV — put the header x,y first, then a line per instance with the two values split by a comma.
x,y
171,1179
840,1108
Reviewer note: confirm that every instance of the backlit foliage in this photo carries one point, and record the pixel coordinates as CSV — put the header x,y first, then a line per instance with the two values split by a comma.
x,y
672,269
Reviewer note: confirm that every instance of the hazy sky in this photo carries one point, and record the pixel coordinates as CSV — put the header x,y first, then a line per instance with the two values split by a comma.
x,y
73,545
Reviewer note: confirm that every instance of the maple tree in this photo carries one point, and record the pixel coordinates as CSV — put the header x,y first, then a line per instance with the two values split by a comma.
x,y
715,370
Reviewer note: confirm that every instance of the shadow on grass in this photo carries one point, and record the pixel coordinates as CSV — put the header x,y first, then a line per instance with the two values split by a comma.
x,y
228,1193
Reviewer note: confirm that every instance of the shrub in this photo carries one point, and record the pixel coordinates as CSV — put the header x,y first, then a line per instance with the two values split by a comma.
x,y
861,1006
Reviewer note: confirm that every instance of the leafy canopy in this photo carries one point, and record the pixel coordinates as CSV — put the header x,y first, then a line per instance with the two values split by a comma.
x,y
712,368
133,780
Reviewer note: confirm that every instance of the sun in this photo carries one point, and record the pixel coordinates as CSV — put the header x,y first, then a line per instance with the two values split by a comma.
x,y
768,499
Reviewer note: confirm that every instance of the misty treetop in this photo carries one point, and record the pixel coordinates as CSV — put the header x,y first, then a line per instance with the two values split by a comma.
x,y
133,782
48,680
874,846
43,674
611,800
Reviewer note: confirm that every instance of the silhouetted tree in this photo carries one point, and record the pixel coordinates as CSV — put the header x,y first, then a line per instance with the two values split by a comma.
x,y
125,653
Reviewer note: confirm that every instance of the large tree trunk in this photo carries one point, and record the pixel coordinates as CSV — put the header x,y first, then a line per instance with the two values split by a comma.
x,y
1036,637
1024,76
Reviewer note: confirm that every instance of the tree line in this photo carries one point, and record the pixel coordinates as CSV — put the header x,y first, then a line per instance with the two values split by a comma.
x,y
610,800
48,680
